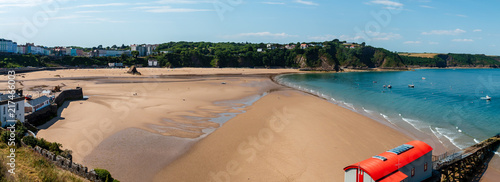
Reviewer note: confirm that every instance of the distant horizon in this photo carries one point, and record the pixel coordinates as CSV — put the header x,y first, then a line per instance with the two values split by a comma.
x,y
396,25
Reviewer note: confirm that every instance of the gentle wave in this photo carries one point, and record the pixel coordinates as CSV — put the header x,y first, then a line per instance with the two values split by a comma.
x,y
349,105
451,136
412,122
387,118
368,111
436,134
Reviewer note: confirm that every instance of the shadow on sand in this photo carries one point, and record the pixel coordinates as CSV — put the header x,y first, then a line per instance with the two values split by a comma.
x,y
48,124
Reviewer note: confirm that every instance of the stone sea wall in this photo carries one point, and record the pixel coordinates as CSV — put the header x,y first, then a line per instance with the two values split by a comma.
x,y
73,94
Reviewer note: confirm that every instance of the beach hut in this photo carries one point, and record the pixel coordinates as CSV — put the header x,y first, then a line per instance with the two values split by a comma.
x,y
409,162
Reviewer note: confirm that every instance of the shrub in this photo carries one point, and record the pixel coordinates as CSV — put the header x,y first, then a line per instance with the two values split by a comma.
x,y
5,136
42,143
104,175
30,141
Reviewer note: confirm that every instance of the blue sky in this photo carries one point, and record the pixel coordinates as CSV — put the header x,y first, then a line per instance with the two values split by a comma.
x,y
458,26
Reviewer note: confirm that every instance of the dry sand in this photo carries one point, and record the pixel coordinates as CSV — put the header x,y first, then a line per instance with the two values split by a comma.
x,y
153,126
149,114
285,136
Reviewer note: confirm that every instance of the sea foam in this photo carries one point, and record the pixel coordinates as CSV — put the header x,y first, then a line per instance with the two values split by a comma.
x,y
413,122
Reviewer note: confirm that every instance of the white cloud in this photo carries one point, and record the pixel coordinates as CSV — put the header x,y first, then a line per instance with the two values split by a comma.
x,y
310,3
462,40
89,11
387,3
369,35
412,42
102,5
259,34
330,37
444,32
274,3
477,30
183,1
383,36
323,37
22,3
168,9
425,6
66,17
433,43
266,34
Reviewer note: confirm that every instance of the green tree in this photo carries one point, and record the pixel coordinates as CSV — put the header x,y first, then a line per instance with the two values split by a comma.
x,y
135,53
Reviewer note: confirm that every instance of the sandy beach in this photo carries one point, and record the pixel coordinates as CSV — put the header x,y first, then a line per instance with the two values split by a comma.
x,y
209,125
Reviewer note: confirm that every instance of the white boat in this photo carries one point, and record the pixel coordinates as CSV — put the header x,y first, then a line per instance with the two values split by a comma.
x,y
411,86
389,86
423,78
486,98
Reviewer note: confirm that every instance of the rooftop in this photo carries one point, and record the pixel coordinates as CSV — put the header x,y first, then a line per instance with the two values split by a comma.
x,y
5,97
39,100
396,158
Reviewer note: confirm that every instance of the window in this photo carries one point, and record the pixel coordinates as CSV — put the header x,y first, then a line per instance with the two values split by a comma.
x,y
412,172
425,167
17,106
4,110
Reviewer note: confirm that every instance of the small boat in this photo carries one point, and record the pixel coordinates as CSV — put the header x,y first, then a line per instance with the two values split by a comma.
x,y
411,86
374,81
385,86
223,83
389,86
486,98
423,78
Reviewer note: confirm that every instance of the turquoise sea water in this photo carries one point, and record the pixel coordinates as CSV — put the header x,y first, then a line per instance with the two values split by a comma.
x,y
447,103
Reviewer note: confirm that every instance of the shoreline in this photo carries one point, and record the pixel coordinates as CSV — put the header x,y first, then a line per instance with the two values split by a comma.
x,y
410,132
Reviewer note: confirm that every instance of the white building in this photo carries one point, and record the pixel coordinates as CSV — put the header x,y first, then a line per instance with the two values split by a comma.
x,y
271,46
115,65
116,53
152,63
21,49
16,111
144,49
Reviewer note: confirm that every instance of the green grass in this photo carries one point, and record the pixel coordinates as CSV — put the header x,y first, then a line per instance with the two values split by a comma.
x,y
31,166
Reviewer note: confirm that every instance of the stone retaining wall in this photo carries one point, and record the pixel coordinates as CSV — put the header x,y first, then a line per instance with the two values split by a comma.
x,y
67,164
